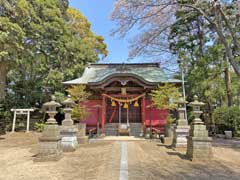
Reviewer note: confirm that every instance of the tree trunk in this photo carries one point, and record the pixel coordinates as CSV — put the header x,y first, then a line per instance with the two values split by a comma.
x,y
220,31
227,78
229,53
3,75
210,113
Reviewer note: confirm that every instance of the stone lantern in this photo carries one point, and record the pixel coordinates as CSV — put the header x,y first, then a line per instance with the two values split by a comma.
x,y
199,145
69,103
51,110
68,130
181,131
50,142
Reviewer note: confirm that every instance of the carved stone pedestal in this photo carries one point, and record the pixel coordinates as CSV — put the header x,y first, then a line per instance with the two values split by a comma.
x,y
69,138
181,131
180,134
50,144
81,134
199,144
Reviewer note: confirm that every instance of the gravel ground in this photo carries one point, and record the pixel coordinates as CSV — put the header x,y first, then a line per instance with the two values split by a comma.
x,y
101,161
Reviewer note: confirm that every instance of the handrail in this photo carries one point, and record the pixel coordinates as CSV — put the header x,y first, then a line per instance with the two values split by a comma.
x,y
156,130
91,130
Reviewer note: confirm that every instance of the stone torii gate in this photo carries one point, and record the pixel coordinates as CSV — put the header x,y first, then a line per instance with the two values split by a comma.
x,y
21,111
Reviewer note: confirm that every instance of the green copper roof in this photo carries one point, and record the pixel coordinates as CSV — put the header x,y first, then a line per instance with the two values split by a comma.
x,y
148,72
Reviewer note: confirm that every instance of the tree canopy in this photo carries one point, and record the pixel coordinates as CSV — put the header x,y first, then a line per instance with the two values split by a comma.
x,y
44,43
155,19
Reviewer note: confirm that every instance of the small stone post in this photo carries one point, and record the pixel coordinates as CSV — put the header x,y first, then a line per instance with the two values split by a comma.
x,y
81,135
181,131
68,130
50,142
199,145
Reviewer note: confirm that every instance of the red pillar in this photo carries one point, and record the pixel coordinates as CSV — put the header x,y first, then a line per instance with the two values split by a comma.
x,y
103,113
143,111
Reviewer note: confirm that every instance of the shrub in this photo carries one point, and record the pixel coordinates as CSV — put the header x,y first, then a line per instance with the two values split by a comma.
x,y
170,120
2,120
79,94
39,126
228,118
6,118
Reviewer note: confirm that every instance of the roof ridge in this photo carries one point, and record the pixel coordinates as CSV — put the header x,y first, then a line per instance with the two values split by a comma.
x,y
124,64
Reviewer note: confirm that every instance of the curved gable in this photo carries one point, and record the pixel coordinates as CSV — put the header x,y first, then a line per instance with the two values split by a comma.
x,y
148,73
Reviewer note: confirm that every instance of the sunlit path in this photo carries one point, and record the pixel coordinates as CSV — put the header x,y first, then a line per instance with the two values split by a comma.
x,y
124,162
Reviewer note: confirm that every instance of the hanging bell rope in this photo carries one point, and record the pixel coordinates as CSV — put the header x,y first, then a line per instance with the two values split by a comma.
x,y
124,100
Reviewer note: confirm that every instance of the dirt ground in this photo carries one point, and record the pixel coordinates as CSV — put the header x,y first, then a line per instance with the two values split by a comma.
x,y
100,160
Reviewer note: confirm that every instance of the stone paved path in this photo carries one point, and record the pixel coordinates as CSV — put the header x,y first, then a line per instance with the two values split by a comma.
x,y
124,162
102,161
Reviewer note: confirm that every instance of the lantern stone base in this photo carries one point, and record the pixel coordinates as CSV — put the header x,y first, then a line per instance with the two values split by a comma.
x,y
69,138
199,145
180,134
50,144
180,137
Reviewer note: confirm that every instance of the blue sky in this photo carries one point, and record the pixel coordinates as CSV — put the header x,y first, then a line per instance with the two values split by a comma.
x,y
98,13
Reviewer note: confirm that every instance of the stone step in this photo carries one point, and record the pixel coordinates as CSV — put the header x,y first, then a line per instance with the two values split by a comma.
x,y
111,129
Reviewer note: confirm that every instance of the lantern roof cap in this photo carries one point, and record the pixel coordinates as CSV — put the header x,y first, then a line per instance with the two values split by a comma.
x,y
181,101
68,101
52,103
196,102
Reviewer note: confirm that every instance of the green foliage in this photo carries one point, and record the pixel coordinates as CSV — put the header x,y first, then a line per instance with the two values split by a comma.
x,y
2,120
39,126
79,94
79,112
229,117
165,96
11,37
60,97
203,57
49,43
204,77
5,119
170,120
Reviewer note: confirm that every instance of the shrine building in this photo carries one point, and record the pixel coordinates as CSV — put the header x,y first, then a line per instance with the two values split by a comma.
x,y
120,97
